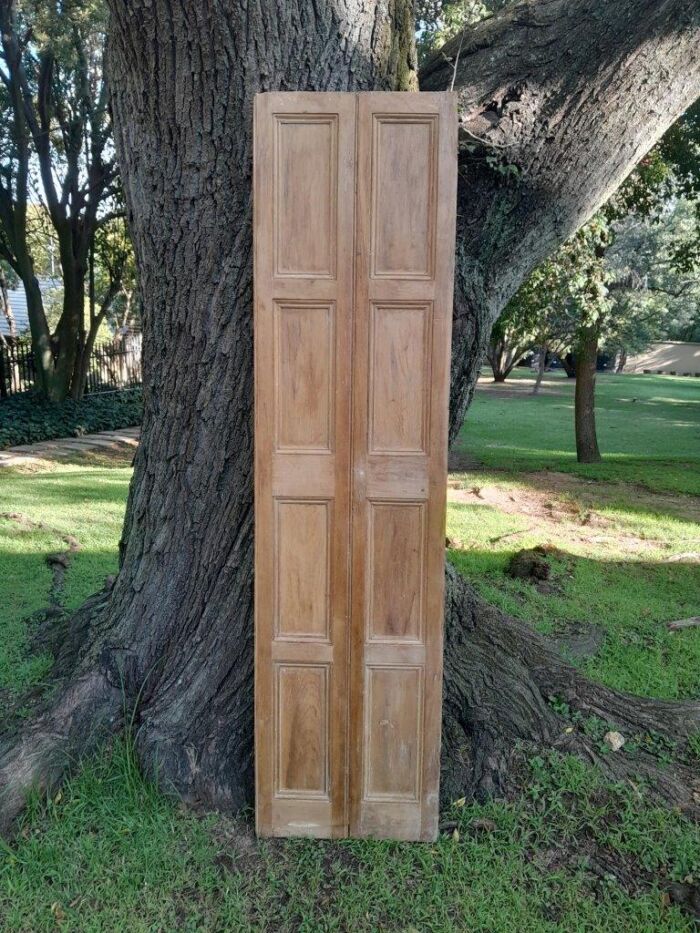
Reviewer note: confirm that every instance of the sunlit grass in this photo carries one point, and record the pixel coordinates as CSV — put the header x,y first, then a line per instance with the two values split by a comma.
x,y
86,502
629,577
648,428
111,853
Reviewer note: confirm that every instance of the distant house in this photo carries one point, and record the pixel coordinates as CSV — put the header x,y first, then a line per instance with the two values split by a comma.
x,y
18,305
673,357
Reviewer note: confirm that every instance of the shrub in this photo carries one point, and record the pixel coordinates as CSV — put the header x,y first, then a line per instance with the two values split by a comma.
x,y
27,418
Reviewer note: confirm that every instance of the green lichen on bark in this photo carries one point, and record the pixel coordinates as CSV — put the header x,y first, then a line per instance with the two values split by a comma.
x,y
402,59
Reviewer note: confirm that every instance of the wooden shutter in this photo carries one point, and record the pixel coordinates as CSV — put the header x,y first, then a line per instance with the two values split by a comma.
x,y
354,244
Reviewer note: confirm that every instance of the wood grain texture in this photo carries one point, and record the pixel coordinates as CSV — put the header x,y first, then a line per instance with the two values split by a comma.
x,y
305,361
304,206
354,211
402,321
399,374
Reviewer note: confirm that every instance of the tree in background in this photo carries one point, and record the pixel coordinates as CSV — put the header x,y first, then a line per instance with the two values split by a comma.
x,y
111,287
625,279
57,167
511,339
655,280
535,318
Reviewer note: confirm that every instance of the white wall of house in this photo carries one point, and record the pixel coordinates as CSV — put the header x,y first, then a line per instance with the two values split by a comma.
x,y
18,305
671,356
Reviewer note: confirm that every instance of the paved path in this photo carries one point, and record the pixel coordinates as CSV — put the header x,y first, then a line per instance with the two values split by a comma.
x,y
70,446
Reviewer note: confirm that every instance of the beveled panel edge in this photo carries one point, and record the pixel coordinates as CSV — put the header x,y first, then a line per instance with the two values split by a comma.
x,y
433,119
290,793
426,305
278,305
414,798
332,119
394,640
299,500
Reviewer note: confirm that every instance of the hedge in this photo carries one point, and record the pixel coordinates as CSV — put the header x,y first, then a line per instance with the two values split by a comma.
x,y
27,418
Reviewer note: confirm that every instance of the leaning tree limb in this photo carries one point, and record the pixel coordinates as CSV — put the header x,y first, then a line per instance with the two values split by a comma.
x,y
558,99
558,102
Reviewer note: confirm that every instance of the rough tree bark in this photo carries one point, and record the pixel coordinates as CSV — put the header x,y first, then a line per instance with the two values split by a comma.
x,y
559,99
584,400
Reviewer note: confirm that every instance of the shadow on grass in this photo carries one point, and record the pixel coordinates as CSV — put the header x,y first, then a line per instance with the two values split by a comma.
x,y
627,601
27,595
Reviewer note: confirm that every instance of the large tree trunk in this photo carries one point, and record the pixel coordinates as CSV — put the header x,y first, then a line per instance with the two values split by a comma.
x,y
568,364
570,92
584,398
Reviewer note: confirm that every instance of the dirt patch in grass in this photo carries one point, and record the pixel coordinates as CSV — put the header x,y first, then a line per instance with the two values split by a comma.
x,y
567,508
590,492
517,388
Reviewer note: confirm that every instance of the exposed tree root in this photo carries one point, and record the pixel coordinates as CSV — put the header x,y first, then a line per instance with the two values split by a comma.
x,y
500,678
84,713
85,706
58,562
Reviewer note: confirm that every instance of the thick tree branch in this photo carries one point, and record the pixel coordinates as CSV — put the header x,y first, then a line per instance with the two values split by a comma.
x,y
559,100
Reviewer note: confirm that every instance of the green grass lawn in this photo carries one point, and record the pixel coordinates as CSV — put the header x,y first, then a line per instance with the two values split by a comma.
x,y
110,853
648,429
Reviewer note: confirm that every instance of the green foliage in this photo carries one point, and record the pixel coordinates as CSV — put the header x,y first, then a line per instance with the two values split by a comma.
x,y
27,418
563,296
654,298
437,21
115,273
631,272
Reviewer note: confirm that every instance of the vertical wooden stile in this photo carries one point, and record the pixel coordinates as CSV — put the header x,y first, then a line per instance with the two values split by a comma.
x,y
405,212
304,205
354,243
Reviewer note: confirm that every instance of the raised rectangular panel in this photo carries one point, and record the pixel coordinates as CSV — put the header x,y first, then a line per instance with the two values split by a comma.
x,y
395,571
302,722
304,353
302,581
306,192
404,156
399,389
392,746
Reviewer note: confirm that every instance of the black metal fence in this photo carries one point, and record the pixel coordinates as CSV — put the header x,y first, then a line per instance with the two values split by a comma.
x,y
113,365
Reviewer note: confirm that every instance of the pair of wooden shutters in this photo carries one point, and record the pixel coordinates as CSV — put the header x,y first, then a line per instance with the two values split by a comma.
x,y
354,243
